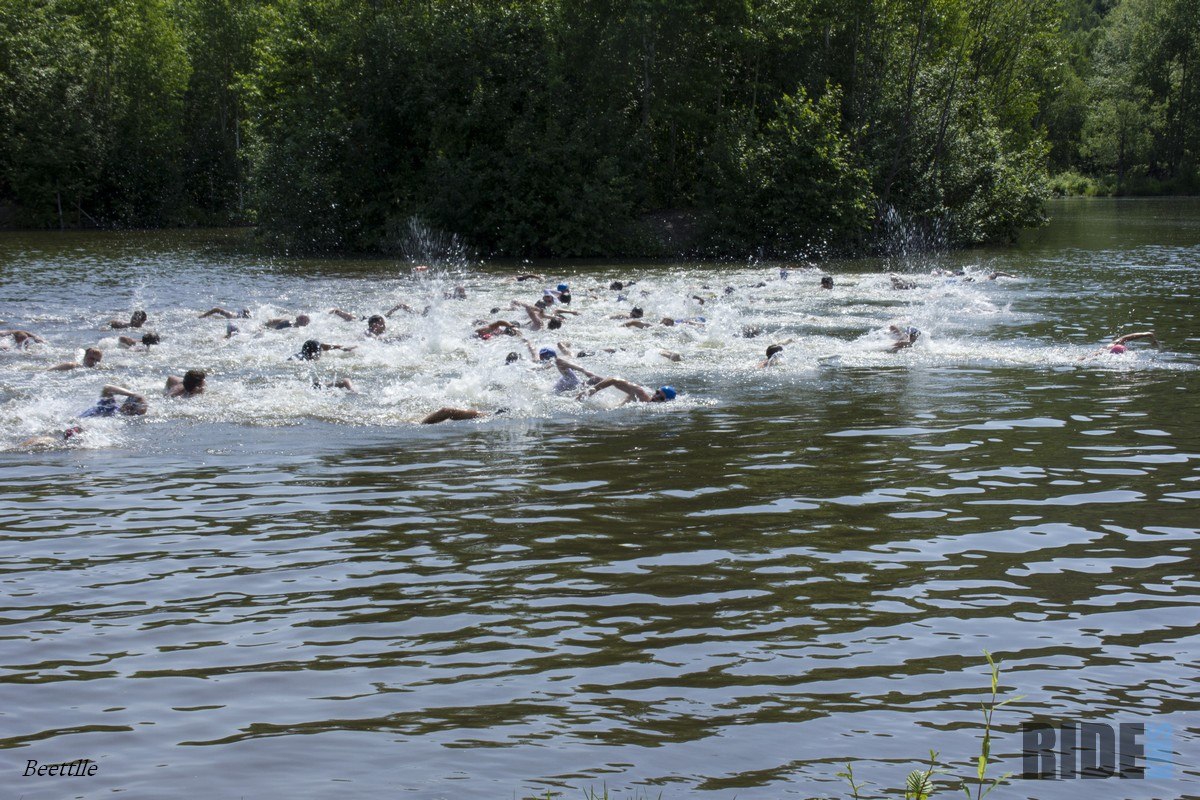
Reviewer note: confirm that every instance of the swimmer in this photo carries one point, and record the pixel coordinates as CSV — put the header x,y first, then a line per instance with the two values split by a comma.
x,y
280,323
147,340
136,320
537,317
346,315
568,381
512,357
774,354
190,385
1117,346
900,283
634,313
998,274
220,312
54,440
134,405
634,392
671,355
905,337
826,281
340,383
23,339
499,326
376,326
91,358
458,293
311,350
528,276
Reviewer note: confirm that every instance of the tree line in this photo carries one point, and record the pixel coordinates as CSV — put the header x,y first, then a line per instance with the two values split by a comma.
x,y
590,127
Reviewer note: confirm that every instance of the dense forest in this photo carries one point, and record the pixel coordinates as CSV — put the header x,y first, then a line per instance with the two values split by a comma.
x,y
592,127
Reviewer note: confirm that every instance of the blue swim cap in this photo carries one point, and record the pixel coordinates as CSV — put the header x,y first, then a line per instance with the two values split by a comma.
x,y
562,287
701,319
668,392
545,354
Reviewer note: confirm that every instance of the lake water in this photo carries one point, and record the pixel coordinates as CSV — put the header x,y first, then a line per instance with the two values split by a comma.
x,y
275,590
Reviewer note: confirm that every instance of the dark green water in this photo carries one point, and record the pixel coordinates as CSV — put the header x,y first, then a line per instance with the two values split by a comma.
x,y
277,591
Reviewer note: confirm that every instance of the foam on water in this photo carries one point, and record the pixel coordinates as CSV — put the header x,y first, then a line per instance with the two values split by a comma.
x,y
430,360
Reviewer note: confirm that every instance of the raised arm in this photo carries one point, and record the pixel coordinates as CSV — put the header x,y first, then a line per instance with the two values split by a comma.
x,y
111,390
346,315
400,307
565,366
634,392
1129,337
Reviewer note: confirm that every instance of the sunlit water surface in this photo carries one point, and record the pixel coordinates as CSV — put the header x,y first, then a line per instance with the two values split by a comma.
x,y
274,590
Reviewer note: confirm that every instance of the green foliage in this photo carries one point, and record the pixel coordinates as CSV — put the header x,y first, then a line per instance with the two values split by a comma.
x,y
559,127
795,184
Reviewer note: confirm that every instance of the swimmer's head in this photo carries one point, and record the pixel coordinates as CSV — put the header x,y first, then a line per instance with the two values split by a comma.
x,y
153,338
636,312
545,354
92,356
134,407
244,314
555,323
302,320
562,287
616,286
376,325
912,332
193,381
460,293
826,281
310,350
541,304
71,432
750,331
511,357
774,350
663,394
565,298
728,290
1117,349
137,319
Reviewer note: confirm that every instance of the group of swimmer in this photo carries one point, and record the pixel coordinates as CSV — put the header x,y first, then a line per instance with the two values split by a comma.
x,y
547,313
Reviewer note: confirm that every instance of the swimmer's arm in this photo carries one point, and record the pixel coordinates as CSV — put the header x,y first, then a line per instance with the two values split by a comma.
x,y
346,315
570,365
636,323
218,312
443,414
399,307
527,276
328,347
784,342
111,390
64,367
127,341
1129,337
631,389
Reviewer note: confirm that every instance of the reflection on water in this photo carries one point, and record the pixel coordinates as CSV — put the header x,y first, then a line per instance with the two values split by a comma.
x,y
274,591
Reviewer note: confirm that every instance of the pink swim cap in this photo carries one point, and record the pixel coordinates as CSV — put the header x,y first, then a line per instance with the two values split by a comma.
x,y
1117,349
